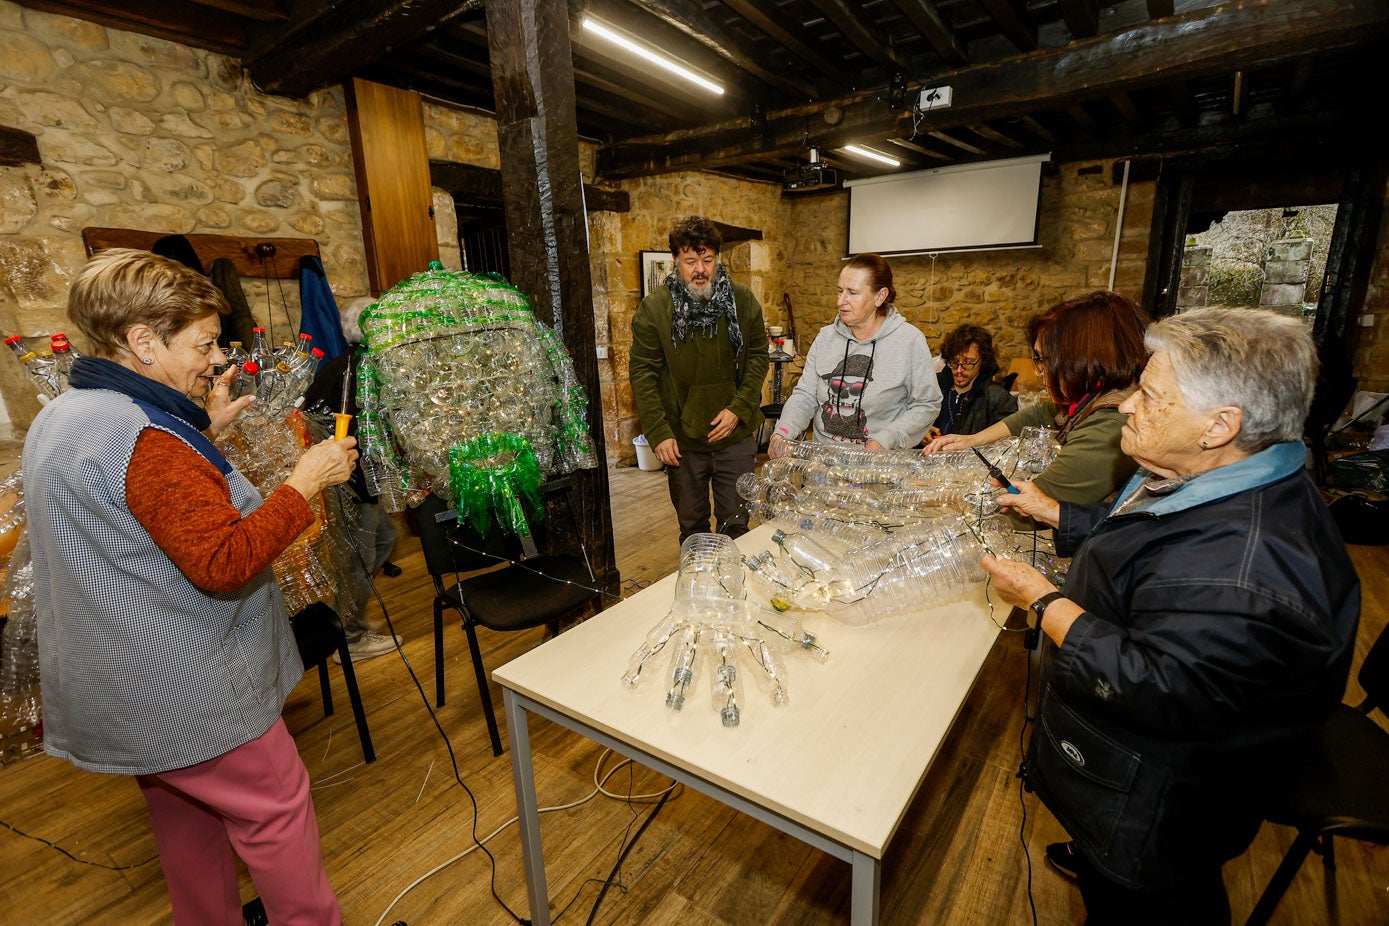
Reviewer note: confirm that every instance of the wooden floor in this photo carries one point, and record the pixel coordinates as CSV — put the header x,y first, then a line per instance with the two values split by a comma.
x,y
957,858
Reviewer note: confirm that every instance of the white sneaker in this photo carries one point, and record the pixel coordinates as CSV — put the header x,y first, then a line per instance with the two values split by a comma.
x,y
370,645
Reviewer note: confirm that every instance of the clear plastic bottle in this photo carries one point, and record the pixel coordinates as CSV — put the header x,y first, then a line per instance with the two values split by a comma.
x,y
684,666
247,380
807,554
725,681
63,357
41,370
236,354
260,351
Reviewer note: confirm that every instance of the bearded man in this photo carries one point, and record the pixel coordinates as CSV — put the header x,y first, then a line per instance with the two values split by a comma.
x,y
699,356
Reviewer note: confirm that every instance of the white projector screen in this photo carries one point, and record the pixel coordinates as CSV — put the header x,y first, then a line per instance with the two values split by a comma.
x,y
970,207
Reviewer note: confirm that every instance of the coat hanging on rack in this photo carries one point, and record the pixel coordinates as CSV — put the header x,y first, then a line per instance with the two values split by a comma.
x,y
236,326
320,316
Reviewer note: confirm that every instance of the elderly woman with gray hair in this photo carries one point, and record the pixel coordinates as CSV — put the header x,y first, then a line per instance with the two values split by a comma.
x,y
1205,627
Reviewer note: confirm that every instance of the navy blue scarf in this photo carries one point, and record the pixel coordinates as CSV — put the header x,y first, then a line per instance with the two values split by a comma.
x,y
165,406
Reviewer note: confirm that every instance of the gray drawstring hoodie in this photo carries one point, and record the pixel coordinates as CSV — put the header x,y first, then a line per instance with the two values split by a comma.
x,y
882,389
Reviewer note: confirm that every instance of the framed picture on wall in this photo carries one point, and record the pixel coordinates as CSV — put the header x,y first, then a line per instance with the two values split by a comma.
x,y
655,266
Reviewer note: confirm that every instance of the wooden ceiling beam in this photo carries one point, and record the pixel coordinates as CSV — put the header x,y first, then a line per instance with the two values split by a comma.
x,y
926,17
1183,104
997,137
851,22
361,33
773,22
1129,112
1207,42
482,186
1157,9
920,149
269,11
689,17
163,19
1082,17
1014,23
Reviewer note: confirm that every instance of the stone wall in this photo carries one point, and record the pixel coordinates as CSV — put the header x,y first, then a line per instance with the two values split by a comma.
x,y
999,290
137,132
616,240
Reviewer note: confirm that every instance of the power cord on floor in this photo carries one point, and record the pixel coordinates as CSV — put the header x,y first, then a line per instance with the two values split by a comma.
x,y
599,780
82,861
424,699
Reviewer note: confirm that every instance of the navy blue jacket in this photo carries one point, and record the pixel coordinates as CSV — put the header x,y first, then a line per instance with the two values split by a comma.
x,y
1218,630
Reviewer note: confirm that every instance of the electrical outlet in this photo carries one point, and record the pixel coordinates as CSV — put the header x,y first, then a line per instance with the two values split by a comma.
x,y
1367,321
602,351
934,98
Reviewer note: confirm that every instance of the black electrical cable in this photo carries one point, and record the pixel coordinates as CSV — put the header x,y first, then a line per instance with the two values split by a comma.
x,y
623,855
54,845
424,699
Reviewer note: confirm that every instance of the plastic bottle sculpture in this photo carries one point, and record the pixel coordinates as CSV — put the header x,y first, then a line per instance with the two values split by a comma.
x,y
21,716
464,393
327,561
711,623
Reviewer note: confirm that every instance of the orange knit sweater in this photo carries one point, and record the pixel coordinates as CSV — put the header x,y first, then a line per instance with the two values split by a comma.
x,y
184,503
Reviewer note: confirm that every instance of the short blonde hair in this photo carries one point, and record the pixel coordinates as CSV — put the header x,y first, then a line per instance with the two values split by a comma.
x,y
124,287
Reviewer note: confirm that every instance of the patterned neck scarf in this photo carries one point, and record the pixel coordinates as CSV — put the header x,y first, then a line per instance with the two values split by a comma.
x,y
689,313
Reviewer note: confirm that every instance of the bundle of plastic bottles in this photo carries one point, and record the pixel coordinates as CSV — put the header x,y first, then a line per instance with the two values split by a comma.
x,y
860,494
864,535
712,623
21,714
460,387
328,561
278,377
47,372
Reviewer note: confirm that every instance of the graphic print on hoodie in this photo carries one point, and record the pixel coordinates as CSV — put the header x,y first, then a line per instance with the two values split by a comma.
x,y
842,414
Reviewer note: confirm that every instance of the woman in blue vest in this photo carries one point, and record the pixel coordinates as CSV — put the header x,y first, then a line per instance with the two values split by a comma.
x,y
164,648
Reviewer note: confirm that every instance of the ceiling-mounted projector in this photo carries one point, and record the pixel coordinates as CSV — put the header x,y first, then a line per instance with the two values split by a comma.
x,y
814,175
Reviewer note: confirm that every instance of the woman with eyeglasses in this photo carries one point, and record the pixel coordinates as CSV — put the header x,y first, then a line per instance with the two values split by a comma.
x,y
869,379
1089,352
972,400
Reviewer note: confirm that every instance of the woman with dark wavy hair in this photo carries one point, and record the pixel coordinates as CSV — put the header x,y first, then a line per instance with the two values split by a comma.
x,y
1089,352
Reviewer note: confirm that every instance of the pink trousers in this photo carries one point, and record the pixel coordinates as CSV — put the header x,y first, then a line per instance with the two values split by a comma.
x,y
253,802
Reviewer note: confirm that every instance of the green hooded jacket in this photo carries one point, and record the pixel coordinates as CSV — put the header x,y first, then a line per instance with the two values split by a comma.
x,y
680,388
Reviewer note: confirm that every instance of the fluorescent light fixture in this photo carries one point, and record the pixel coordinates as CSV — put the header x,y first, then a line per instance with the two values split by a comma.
x,y
649,54
872,155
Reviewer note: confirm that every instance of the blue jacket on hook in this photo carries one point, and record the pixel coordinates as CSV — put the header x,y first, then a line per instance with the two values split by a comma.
x,y
320,311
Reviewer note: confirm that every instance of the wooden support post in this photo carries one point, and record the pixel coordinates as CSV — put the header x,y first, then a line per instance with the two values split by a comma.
x,y
547,234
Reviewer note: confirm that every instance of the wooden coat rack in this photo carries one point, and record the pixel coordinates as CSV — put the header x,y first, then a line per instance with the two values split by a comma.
x,y
266,258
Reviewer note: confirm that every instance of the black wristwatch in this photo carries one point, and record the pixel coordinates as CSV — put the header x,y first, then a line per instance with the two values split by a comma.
x,y
1039,607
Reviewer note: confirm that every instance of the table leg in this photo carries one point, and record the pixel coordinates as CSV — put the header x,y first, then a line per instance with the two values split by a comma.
x,y
523,774
863,902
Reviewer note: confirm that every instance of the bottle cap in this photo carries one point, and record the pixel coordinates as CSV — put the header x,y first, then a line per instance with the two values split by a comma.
x,y
807,524
259,328
778,536
251,367
13,339
315,352
234,343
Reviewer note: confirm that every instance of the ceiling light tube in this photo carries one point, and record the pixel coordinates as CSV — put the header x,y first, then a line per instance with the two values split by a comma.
x,y
655,57
872,155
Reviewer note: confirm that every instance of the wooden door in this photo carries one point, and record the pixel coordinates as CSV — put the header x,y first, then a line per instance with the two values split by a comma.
x,y
392,165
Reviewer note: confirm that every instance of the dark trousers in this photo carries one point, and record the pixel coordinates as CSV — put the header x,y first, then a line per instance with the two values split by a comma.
x,y
698,472
1202,902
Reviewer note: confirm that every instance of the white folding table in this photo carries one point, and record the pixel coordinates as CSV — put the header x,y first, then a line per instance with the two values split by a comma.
x,y
836,768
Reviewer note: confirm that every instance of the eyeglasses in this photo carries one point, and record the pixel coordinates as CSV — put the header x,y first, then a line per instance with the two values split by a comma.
x,y
963,364
1039,360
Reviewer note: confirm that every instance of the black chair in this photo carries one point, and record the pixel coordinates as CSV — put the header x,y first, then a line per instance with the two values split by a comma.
x,y
1341,789
319,633
542,590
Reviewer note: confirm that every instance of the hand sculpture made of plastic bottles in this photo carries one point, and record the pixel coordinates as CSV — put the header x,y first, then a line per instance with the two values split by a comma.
x,y
464,393
711,623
